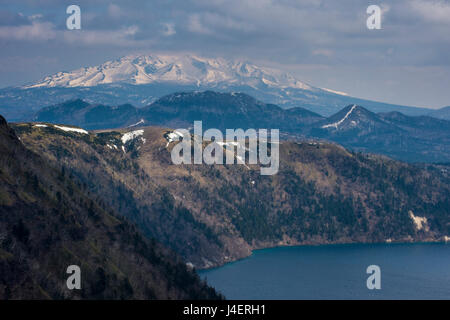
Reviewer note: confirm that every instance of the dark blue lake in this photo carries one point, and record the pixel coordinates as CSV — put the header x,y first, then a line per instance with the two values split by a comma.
x,y
408,271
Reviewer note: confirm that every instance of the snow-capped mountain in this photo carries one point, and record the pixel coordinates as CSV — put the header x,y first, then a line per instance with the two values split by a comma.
x,y
352,117
140,80
179,69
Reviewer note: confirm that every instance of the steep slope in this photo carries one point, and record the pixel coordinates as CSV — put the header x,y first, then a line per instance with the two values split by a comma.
x,y
48,221
415,139
353,117
214,214
141,79
106,164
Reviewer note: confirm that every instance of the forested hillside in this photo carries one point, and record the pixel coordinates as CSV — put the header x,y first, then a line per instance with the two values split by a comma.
x,y
49,220
214,214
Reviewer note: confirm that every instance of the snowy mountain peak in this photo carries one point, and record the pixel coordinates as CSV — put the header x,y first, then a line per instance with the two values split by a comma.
x,y
341,121
179,69
350,117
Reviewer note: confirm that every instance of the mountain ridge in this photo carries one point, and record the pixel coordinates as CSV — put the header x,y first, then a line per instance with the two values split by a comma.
x,y
442,113
49,221
141,79
415,139
186,69
211,215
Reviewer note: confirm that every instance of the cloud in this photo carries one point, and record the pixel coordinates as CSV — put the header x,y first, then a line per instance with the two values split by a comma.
x,y
195,25
121,37
36,31
432,10
36,16
319,37
169,29
289,30
322,52
45,31
114,11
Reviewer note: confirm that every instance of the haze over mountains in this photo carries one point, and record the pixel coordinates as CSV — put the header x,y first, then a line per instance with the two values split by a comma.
x,y
141,79
443,113
416,139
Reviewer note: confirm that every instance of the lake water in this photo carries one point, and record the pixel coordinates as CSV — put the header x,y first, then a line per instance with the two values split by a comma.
x,y
408,271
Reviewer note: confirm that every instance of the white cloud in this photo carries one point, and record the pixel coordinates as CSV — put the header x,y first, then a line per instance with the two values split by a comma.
x,y
227,23
196,26
34,32
121,37
432,10
114,11
38,31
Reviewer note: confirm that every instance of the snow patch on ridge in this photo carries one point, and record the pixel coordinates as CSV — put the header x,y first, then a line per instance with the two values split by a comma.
x,y
68,129
335,92
142,121
173,136
336,124
131,135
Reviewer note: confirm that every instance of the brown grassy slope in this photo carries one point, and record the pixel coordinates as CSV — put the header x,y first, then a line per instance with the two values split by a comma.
x,y
213,214
48,222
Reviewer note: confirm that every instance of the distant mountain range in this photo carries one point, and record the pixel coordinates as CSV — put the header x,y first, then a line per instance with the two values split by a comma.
x,y
215,109
418,139
141,79
443,113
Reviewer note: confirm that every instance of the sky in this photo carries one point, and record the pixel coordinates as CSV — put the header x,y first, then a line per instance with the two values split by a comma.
x,y
325,43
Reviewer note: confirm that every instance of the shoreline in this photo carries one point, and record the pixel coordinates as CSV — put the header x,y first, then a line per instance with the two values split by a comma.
x,y
201,270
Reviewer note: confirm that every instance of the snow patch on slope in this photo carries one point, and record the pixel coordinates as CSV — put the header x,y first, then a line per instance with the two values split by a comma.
x,y
142,121
63,128
338,123
131,135
419,222
173,136
68,129
335,92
